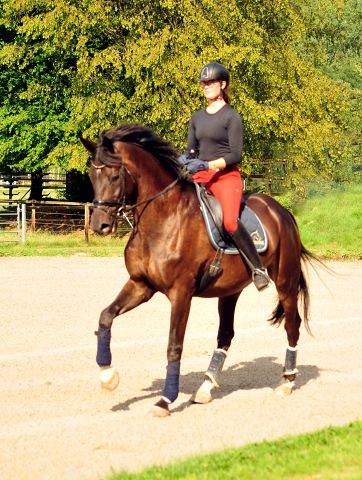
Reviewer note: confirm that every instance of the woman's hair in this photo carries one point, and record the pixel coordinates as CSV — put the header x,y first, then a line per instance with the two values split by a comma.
x,y
226,94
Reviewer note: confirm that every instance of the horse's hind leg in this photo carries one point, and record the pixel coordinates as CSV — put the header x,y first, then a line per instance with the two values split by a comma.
x,y
289,304
132,295
225,335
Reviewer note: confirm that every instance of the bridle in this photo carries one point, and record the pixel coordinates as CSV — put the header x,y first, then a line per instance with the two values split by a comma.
x,y
101,204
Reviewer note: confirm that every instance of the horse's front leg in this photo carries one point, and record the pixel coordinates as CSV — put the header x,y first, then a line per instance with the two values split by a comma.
x,y
132,294
180,309
225,335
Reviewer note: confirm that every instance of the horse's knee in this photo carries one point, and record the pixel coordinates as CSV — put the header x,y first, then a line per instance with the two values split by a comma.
x,y
106,318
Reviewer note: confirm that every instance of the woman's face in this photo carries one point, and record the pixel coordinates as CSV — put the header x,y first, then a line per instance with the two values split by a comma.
x,y
211,88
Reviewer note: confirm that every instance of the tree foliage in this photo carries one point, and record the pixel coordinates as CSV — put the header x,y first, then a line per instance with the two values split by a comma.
x,y
343,63
75,67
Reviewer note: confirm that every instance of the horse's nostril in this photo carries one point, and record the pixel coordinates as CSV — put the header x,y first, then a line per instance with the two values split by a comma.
x,y
105,228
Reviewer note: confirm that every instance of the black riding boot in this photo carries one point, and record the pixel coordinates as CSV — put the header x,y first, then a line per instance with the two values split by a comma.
x,y
246,247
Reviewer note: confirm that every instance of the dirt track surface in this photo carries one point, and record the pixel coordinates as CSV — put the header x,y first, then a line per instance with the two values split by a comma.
x,y
57,423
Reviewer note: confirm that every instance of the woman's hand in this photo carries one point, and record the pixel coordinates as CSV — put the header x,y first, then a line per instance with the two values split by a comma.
x,y
182,159
196,165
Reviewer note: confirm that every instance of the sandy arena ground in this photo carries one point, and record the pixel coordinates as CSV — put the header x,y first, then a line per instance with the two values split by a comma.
x,y
57,423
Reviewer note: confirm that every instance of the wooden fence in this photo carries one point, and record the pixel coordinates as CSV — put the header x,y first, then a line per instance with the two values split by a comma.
x,y
64,217
18,185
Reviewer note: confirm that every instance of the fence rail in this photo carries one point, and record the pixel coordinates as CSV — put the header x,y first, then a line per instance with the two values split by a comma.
x,y
57,217
14,184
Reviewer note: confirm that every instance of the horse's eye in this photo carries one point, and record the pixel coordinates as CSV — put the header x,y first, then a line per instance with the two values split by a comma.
x,y
114,178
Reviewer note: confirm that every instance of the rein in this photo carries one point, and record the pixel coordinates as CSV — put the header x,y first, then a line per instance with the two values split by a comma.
x,y
99,203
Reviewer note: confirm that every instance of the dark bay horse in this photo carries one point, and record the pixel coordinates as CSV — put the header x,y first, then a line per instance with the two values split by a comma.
x,y
169,251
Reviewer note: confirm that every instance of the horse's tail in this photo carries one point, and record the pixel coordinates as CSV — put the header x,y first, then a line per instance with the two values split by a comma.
x,y
278,314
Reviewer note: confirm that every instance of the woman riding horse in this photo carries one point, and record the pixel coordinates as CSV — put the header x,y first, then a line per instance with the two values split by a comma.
x,y
133,169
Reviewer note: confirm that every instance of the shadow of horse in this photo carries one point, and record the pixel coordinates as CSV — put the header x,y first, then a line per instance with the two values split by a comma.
x,y
259,373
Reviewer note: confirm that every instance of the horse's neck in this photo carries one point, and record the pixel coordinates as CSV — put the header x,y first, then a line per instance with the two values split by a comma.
x,y
152,177
152,181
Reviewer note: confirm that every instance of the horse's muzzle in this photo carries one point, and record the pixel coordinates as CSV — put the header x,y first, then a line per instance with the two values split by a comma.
x,y
102,223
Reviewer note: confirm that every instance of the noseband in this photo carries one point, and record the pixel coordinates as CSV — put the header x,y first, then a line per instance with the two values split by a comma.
x,y
101,204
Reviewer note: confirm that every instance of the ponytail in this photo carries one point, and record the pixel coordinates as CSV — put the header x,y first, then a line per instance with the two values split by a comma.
x,y
226,96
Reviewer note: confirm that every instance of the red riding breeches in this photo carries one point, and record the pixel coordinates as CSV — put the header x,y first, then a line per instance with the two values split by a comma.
x,y
227,186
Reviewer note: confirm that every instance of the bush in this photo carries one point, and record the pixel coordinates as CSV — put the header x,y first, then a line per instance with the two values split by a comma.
x,y
286,201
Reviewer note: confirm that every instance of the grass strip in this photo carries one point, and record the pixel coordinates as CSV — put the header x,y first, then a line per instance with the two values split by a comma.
x,y
334,453
53,244
331,225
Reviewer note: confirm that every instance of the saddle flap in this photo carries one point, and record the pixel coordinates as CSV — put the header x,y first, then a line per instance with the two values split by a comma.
x,y
247,216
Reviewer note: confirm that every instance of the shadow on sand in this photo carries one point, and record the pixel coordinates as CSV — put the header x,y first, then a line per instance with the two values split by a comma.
x,y
260,373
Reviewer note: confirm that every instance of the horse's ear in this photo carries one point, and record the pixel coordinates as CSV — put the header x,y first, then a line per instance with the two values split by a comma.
x,y
89,145
108,144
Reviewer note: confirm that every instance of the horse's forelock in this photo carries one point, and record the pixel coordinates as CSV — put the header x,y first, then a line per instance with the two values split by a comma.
x,y
103,156
145,138
104,153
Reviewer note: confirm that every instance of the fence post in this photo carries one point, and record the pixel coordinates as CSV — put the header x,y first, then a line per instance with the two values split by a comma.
x,y
32,220
18,220
23,220
86,222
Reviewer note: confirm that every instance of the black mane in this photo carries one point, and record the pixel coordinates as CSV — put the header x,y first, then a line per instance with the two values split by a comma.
x,y
141,136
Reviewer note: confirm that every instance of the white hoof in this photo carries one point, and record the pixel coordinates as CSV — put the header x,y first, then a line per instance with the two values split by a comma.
x,y
203,394
285,387
109,378
159,412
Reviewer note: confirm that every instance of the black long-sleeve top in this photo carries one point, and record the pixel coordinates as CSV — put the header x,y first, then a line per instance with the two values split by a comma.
x,y
217,135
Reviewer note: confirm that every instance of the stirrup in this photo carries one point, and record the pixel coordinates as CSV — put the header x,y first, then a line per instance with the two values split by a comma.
x,y
261,279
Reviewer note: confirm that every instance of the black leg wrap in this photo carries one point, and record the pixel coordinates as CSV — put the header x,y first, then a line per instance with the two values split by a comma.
x,y
290,366
171,388
215,367
104,356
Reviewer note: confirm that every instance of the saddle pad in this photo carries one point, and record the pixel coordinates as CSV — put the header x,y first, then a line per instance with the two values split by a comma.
x,y
250,221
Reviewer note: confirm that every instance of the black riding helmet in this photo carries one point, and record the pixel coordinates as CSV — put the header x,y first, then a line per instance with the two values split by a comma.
x,y
214,71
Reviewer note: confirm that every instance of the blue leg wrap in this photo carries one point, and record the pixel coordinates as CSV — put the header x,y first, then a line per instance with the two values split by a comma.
x,y
171,388
104,356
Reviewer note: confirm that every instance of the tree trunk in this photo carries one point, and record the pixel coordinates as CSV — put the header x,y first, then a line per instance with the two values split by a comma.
x,y
78,187
36,191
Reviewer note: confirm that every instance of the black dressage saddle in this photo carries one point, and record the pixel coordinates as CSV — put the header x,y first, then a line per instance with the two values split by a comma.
x,y
213,215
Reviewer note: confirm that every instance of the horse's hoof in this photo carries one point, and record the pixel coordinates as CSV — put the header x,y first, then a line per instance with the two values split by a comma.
x,y
203,394
201,397
284,388
159,412
112,383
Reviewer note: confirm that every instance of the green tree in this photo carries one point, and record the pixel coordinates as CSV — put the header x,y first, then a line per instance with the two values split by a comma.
x,y
33,98
343,64
116,61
